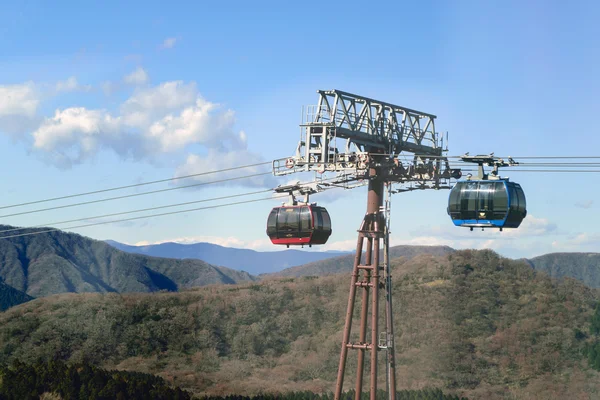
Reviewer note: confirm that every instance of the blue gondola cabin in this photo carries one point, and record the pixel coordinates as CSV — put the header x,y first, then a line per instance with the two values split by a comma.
x,y
487,204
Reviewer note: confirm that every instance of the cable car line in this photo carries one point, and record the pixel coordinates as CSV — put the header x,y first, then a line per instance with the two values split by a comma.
x,y
136,211
225,180
134,185
242,167
557,157
542,170
560,163
516,169
154,208
132,195
504,157
556,170
141,217
575,165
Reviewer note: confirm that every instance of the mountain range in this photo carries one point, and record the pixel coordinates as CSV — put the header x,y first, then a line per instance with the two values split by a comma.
x,y
59,262
295,263
254,262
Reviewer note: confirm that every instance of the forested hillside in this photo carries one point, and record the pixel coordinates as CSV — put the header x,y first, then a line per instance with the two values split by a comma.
x,y
59,262
469,323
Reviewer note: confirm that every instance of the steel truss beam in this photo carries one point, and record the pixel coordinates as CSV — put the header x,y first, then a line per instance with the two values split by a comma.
x,y
338,133
374,124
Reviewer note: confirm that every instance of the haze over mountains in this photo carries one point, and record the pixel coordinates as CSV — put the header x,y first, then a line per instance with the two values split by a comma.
x,y
254,262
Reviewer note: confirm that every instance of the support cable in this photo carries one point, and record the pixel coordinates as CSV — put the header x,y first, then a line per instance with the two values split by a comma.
x,y
134,185
132,195
141,217
151,209
541,170
136,211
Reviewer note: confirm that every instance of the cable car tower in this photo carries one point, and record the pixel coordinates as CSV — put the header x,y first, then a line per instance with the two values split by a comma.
x,y
360,139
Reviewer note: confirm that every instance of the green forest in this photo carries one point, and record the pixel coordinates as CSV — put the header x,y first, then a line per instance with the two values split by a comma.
x,y
22,381
57,379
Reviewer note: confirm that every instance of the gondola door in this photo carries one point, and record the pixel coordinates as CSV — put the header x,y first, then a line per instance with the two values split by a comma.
x,y
485,202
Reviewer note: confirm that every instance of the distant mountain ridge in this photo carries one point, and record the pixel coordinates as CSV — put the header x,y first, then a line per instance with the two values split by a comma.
x,y
252,261
581,266
59,262
584,267
345,263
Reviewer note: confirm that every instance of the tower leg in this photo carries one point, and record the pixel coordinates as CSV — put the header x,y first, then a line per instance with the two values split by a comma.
x,y
348,325
372,228
364,311
389,322
374,321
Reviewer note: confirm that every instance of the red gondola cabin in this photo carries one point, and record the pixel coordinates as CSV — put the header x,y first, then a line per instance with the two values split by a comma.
x,y
299,225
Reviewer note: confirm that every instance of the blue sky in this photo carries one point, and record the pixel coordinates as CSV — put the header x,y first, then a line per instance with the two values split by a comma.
x,y
104,95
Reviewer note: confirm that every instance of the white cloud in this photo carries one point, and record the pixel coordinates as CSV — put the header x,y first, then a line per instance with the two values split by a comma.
x,y
21,99
150,104
219,160
581,242
340,245
532,238
199,123
137,77
70,85
76,134
154,121
231,241
531,226
168,43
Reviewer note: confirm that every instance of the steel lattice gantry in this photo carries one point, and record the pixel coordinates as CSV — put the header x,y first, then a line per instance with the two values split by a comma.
x,y
341,131
374,124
